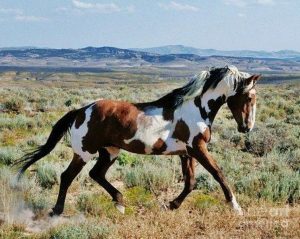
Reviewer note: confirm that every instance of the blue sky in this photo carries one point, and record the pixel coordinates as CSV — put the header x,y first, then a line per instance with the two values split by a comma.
x,y
219,24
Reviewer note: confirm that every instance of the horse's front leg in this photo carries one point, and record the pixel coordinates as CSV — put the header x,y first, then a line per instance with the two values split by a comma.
x,y
200,152
188,170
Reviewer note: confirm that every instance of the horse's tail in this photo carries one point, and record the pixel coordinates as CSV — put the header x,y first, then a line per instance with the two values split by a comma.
x,y
58,131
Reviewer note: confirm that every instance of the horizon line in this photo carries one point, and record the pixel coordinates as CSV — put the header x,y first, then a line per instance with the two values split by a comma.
x,y
141,48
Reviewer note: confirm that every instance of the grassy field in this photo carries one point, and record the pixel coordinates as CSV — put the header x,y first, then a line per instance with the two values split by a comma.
x,y
263,167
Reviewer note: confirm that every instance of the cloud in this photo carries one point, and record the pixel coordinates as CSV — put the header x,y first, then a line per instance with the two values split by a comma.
x,y
10,11
130,8
18,15
265,2
25,18
245,3
99,7
238,3
178,6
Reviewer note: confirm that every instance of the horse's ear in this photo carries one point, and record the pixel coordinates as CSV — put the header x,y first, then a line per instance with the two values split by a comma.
x,y
253,78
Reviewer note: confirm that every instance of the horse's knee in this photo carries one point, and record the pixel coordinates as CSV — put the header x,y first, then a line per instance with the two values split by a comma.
x,y
93,174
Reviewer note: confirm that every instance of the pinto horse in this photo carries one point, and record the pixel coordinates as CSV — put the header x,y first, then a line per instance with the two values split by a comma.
x,y
179,123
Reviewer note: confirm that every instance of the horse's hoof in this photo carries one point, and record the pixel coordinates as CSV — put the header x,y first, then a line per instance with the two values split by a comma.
x,y
120,208
239,211
236,207
173,205
53,213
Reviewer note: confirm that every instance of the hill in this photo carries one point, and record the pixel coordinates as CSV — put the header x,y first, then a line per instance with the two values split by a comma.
x,y
181,49
111,57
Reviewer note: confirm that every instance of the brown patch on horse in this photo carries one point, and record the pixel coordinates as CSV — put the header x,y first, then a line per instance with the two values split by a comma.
x,y
176,152
182,131
80,118
203,138
110,124
241,105
168,114
159,147
214,106
135,146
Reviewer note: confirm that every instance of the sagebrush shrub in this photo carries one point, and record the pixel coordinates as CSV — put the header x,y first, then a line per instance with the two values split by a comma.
x,y
46,175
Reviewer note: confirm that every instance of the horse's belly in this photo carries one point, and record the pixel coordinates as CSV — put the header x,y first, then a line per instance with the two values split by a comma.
x,y
175,146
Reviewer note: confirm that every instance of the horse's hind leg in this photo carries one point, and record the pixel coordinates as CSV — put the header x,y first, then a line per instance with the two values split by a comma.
x,y
107,157
66,179
188,169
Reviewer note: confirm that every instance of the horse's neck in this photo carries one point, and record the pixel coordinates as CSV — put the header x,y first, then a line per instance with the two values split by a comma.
x,y
211,101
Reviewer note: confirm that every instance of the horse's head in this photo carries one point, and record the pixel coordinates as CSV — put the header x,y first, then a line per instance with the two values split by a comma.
x,y
243,104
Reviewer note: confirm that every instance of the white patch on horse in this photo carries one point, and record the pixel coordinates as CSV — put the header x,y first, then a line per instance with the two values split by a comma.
x,y
212,94
150,127
236,207
252,92
77,136
174,145
120,208
252,114
190,114
249,87
251,118
113,152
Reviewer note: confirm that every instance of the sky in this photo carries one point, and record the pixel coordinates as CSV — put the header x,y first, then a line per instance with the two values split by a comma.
x,y
219,24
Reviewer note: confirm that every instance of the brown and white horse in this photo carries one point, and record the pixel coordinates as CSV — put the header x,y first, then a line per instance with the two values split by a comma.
x,y
179,123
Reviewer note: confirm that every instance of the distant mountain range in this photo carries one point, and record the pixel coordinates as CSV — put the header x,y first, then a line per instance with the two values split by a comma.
x,y
180,49
168,56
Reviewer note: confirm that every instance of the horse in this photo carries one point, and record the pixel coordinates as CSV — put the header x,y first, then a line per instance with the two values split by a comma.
x,y
178,123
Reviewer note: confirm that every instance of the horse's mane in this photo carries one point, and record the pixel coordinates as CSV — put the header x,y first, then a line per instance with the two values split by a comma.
x,y
198,85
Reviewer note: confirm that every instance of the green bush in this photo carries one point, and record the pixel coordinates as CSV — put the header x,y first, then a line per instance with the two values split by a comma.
x,y
154,175
46,175
38,202
273,180
127,159
90,229
96,205
260,141
8,155
206,183
139,197
203,202
14,104
15,122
